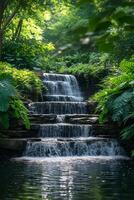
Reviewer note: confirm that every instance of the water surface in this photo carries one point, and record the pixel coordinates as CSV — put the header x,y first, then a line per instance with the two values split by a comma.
x,y
62,178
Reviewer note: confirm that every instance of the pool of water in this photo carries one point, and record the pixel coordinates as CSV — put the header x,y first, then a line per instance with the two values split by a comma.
x,y
75,178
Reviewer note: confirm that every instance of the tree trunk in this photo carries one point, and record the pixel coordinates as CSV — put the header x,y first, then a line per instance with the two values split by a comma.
x,y
18,30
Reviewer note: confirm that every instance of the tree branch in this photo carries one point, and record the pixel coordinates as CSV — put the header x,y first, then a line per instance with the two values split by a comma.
x,y
9,19
18,30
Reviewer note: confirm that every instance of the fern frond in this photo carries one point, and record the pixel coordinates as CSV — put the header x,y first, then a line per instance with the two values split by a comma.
x,y
128,132
7,90
122,106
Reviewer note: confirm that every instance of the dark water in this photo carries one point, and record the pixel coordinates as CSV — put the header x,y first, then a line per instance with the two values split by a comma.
x,y
69,179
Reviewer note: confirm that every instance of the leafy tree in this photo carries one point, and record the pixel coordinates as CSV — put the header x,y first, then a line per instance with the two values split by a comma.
x,y
9,9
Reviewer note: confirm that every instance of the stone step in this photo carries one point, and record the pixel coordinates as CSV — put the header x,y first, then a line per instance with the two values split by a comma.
x,y
72,119
88,147
61,98
82,119
105,130
57,77
15,143
19,133
65,130
43,118
58,107
19,144
77,139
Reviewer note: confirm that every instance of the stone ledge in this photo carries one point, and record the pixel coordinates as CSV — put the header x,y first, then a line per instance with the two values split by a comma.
x,y
13,144
40,118
106,130
16,144
81,119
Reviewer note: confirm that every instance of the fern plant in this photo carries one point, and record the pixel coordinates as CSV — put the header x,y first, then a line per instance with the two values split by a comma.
x,y
19,111
116,99
7,90
25,81
10,103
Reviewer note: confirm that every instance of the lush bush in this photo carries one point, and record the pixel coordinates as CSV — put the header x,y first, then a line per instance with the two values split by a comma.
x,y
10,104
56,62
96,66
27,82
116,99
85,70
16,85
26,53
19,111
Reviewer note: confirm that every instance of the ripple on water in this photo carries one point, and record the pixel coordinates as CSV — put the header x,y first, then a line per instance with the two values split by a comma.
x,y
78,178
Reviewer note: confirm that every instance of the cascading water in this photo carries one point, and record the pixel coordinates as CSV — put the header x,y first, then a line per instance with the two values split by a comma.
x,y
64,139
59,107
65,130
75,147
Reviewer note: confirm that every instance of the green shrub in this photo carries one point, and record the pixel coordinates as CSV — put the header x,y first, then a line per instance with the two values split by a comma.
x,y
83,69
26,53
19,111
116,99
16,85
10,104
25,81
7,90
95,67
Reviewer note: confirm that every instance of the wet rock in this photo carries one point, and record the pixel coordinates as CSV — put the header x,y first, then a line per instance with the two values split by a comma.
x,y
13,144
42,119
82,119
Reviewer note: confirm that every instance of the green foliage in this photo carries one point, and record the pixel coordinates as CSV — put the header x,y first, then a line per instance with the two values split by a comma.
x,y
128,132
65,19
10,104
26,53
7,91
127,66
10,9
14,85
112,26
19,111
116,99
25,81
95,66
85,70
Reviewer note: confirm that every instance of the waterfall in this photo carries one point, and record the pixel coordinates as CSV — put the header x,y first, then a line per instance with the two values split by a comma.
x,y
60,138
73,148
57,107
65,130
65,85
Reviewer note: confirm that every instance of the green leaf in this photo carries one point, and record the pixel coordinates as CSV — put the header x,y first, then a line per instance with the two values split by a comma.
x,y
7,90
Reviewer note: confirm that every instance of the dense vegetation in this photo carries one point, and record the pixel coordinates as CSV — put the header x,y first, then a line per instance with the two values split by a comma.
x,y
116,99
88,38
15,86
